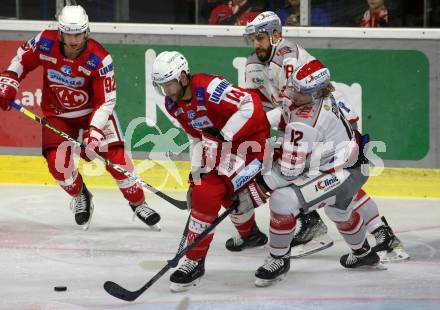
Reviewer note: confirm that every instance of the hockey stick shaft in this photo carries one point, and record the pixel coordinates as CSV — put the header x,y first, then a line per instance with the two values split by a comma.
x,y
177,203
184,234
118,291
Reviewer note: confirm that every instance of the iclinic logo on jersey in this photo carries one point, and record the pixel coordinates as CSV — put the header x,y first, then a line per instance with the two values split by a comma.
x,y
326,184
70,98
59,78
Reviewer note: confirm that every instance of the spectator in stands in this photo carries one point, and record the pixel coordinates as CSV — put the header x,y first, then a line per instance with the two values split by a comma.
x,y
236,12
290,14
376,15
206,7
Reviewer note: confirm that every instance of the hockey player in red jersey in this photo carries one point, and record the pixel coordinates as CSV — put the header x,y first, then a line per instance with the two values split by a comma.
x,y
79,93
227,129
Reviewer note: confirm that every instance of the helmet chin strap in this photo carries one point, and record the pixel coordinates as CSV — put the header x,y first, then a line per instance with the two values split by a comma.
x,y
272,47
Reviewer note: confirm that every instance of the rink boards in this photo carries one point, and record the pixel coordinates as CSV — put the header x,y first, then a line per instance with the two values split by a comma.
x,y
172,175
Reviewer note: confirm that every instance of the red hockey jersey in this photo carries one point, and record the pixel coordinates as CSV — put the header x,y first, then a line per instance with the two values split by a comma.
x,y
215,102
71,87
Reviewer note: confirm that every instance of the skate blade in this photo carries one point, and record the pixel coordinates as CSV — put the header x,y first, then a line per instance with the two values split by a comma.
x,y
155,227
265,283
317,244
180,287
379,266
396,255
87,224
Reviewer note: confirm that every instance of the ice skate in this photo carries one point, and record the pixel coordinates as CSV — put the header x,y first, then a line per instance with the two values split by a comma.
x,y
238,243
82,206
388,246
311,235
273,270
187,275
146,215
363,258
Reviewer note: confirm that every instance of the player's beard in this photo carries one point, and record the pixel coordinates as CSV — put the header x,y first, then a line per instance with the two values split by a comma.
x,y
264,54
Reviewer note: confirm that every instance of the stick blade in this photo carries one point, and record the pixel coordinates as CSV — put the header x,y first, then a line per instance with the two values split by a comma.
x,y
118,291
182,205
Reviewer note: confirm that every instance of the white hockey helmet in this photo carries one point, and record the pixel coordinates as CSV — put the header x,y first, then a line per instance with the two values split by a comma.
x,y
265,22
309,78
168,66
73,19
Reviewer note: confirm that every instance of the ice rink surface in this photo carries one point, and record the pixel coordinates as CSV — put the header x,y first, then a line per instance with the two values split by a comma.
x,y
41,247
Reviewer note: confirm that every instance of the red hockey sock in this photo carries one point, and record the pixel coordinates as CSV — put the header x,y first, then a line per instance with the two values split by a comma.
x,y
243,222
60,164
196,227
130,189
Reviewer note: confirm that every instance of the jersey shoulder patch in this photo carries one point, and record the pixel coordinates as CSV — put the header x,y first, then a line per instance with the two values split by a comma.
x,y
106,67
96,53
285,50
47,41
217,89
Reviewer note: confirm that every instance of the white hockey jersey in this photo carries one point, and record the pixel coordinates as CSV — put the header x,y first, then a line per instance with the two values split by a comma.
x,y
346,107
316,136
269,78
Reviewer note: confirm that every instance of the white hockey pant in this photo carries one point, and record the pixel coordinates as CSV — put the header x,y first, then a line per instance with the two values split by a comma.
x,y
349,223
284,207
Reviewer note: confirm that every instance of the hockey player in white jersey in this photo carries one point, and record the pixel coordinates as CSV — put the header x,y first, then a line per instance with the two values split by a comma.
x,y
319,163
267,69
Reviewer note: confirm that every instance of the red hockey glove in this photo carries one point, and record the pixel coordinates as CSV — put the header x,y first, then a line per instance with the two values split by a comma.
x,y
9,85
92,139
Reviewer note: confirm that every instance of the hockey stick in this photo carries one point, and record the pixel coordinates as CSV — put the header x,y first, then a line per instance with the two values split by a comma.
x,y
184,234
177,203
118,291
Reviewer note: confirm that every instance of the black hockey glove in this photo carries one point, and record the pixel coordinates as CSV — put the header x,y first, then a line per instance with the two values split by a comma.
x,y
215,133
